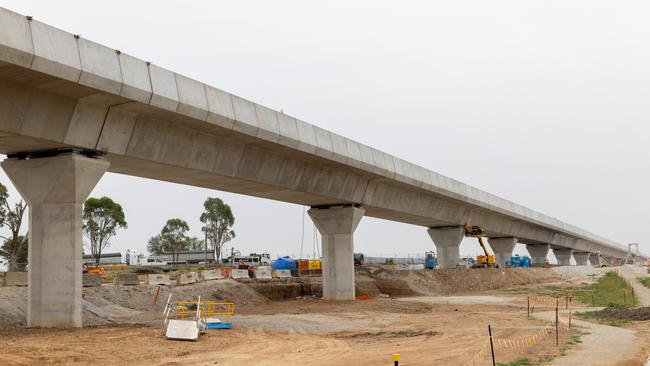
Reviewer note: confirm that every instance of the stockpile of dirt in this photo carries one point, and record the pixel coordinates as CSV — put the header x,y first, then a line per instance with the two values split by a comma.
x,y
370,281
454,281
624,314
141,297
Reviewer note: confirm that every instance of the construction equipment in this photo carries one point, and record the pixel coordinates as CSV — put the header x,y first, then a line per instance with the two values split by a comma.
x,y
430,260
358,259
518,262
93,270
482,261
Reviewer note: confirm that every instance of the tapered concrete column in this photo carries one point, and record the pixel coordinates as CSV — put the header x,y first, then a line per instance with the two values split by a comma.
x,y
538,253
336,226
594,259
581,258
447,241
563,256
502,248
55,189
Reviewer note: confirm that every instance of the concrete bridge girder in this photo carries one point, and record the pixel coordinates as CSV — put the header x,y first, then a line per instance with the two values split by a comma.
x,y
130,132
62,91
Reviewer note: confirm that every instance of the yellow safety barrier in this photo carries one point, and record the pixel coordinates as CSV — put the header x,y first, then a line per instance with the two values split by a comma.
x,y
187,309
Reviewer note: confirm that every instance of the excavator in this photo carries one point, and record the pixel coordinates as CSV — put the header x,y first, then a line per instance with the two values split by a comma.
x,y
482,261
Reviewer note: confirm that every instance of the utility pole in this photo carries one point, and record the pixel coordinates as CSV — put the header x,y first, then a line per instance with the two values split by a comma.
x,y
205,242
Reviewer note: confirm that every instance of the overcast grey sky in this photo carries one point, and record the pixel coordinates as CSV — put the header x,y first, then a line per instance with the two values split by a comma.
x,y
544,103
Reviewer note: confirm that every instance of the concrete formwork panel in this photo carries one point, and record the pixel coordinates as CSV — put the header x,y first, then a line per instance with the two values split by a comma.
x,y
100,67
55,52
15,39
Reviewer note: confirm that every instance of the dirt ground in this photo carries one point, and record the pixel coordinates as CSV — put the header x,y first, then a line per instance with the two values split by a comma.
x,y
423,327
292,332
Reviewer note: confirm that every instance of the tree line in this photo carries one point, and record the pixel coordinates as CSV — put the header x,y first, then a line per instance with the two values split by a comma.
x,y
103,217
217,219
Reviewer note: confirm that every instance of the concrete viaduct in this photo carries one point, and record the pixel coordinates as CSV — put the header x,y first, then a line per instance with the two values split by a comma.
x,y
72,109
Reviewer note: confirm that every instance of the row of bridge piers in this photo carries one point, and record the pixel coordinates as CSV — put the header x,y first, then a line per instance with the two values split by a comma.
x,y
55,187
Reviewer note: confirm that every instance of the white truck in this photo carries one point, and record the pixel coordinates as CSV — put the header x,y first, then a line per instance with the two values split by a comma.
x,y
135,258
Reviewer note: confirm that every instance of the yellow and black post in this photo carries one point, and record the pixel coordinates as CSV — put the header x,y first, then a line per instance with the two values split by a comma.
x,y
396,359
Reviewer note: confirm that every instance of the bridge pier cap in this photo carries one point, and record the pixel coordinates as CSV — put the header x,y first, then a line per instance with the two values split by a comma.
x,y
336,225
563,256
55,188
581,258
502,248
447,240
538,253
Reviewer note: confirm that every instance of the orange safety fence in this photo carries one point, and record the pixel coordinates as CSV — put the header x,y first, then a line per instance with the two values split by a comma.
x,y
516,344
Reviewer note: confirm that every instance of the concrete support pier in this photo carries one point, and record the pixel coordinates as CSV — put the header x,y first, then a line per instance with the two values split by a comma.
x,y
594,259
538,253
447,241
581,258
55,189
502,248
563,256
336,226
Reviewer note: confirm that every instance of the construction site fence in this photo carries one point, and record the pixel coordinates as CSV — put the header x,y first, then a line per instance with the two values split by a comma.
x,y
187,309
550,328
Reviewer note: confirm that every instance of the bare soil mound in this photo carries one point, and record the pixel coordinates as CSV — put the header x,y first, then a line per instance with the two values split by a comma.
x,y
117,304
625,314
454,281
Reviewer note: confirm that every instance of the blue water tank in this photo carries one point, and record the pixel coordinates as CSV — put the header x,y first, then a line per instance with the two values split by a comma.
x,y
285,263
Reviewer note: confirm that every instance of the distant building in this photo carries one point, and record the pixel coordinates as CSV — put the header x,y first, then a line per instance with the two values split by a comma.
x,y
104,258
